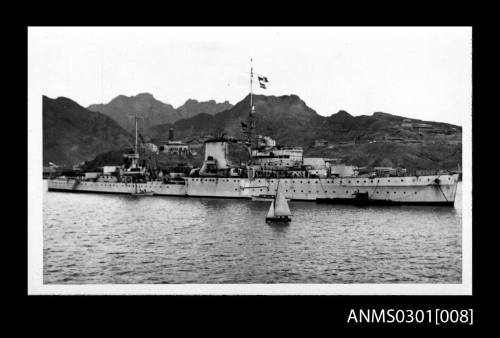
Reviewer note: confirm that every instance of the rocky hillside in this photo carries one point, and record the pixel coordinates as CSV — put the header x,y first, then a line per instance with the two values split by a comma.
x,y
284,118
379,139
154,112
122,107
72,134
193,107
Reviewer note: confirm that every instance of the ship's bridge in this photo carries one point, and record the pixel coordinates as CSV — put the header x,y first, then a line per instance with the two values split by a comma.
x,y
291,153
278,158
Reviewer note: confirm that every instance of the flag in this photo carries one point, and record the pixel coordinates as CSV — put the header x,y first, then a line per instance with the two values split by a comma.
x,y
243,124
262,81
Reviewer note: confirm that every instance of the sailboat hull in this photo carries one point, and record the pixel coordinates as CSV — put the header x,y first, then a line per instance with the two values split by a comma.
x,y
278,219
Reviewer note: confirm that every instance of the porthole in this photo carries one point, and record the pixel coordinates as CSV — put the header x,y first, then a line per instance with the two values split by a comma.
x,y
387,192
404,192
346,191
388,180
348,181
377,192
401,180
340,182
415,192
357,181
394,192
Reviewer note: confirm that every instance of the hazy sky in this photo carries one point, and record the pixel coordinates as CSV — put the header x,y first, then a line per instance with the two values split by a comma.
x,y
422,73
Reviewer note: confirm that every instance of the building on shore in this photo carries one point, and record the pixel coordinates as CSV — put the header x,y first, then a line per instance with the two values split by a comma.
x,y
174,147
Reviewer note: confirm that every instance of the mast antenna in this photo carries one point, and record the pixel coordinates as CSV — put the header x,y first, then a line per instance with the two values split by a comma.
x,y
251,84
136,117
252,109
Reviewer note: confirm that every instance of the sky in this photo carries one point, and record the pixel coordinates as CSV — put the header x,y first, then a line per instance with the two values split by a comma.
x,y
417,72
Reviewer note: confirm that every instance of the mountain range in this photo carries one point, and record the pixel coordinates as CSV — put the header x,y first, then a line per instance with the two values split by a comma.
x,y
153,112
72,134
379,139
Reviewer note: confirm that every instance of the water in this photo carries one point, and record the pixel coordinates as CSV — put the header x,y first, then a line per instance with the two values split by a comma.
x,y
92,238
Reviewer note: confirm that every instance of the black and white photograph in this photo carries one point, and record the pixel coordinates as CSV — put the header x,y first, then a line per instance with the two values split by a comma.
x,y
250,160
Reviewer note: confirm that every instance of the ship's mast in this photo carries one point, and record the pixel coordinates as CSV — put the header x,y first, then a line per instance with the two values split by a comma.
x,y
251,117
135,157
249,128
251,86
135,133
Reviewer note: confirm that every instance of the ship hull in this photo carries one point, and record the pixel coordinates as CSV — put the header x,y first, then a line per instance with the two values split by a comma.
x,y
352,201
421,190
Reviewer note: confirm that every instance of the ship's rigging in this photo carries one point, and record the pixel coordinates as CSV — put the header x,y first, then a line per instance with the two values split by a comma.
x,y
249,127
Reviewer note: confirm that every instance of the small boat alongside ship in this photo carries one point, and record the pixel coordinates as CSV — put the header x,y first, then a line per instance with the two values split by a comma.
x,y
266,198
142,192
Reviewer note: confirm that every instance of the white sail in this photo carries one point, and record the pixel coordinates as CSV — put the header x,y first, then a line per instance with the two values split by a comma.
x,y
281,208
270,213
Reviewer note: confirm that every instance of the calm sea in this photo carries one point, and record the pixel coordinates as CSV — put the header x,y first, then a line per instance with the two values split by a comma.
x,y
92,238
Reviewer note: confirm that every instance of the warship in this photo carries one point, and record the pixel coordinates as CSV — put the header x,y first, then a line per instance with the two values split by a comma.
x,y
270,166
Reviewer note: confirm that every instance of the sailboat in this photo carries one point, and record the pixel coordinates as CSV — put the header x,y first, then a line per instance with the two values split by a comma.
x,y
279,210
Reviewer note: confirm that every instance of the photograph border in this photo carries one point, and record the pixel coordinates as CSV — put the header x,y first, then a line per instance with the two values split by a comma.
x,y
35,233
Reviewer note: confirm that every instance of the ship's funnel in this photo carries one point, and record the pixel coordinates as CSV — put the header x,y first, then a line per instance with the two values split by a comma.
x,y
217,149
171,134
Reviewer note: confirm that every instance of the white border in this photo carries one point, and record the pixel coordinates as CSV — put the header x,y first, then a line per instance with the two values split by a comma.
x,y
35,234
